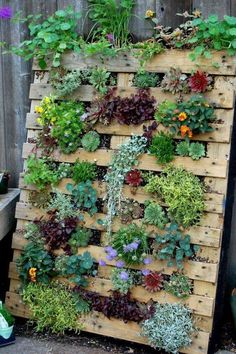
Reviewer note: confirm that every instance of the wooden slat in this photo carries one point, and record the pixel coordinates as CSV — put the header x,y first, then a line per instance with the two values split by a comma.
x,y
126,62
214,201
99,324
199,234
102,157
221,98
221,131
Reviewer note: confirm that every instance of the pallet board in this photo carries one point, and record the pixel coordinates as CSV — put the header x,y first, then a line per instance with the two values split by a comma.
x,y
213,170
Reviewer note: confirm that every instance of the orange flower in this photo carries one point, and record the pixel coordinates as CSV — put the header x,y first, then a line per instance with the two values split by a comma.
x,y
190,133
32,274
182,116
184,129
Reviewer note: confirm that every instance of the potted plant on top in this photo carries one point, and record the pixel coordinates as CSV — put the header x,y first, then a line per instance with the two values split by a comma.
x,y
4,178
6,326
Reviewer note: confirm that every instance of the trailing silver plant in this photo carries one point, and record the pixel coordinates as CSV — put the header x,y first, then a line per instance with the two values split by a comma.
x,y
170,327
122,162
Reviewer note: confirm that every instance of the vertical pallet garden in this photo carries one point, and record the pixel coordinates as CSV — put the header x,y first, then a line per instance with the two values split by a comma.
x,y
212,170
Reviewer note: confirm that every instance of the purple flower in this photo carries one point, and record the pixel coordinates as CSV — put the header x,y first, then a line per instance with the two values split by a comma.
x,y
147,261
108,249
109,257
134,245
120,264
5,12
102,263
145,272
110,37
124,275
127,248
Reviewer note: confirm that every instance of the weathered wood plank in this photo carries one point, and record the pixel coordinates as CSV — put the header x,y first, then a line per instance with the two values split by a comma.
x,y
126,62
102,157
221,97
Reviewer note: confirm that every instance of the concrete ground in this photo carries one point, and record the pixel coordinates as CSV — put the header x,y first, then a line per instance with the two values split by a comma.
x,y
26,345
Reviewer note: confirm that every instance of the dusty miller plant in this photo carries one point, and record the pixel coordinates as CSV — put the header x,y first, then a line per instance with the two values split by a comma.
x,y
123,161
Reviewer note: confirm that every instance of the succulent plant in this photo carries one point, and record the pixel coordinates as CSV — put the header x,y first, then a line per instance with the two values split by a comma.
x,y
134,178
155,215
200,82
175,82
196,151
91,141
130,210
182,148
153,281
145,79
178,285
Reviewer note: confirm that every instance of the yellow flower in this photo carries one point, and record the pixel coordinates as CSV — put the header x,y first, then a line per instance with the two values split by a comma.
x,y
39,120
32,272
182,116
149,14
38,109
47,100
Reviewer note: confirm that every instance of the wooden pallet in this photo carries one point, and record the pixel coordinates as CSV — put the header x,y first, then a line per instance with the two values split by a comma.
x,y
213,171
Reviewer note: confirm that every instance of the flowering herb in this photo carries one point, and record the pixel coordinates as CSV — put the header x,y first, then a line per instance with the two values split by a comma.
x,y
131,244
187,118
200,82
153,281
122,280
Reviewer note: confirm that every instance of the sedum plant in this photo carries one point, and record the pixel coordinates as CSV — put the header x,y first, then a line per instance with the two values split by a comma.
x,y
90,141
162,147
174,246
131,244
169,328
40,199
144,80
181,191
54,307
122,280
84,171
178,285
155,215
122,162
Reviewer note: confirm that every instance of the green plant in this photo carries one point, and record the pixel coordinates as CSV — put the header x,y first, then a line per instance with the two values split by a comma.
x,y
122,162
100,78
187,118
54,307
182,148
84,195
52,37
39,172
64,170
169,328
131,244
182,192
174,246
196,151
162,147
84,171
40,199
112,18
75,266
79,238
145,79
32,233
101,47
68,126
154,215
130,210
212,33
61,205
175,82
35,257
66,84
145,51
122,280
91,141
6,315
178,285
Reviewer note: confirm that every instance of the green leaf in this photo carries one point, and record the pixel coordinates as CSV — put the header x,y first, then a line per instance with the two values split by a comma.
x,y
65,26
232,31
230,20
60,13
199,50
42,63
213,18
233,43
207,54
62,45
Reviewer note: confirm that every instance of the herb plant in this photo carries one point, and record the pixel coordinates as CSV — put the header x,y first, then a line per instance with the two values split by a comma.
x,y
187,118
79,238
40,199
65,85
34,256
84,195
162,147
53,307
145,51
84,171
62,207
182,192
131,244
169,328
174,247
52,37
112,18
154,215
91,141
179,285
122,280
144,80
99,78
